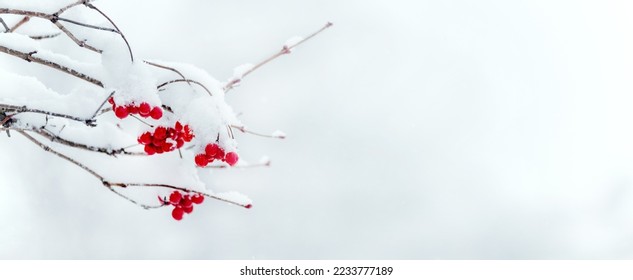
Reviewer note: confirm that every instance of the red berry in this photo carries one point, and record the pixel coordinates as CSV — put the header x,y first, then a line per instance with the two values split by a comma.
x,y
188,210
145,138
175,197
121,112
111,100
132,109
231,158
179,143
171,133
144,109
159,149
177,213
160,133
188,134
201,160
150,150
167,147
186,202
143,115
158,142
156,113
212,149
187,137
178,126
197,198
220,154
248,206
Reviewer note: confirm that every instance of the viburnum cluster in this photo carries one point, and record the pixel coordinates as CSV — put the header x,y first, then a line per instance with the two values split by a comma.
x,y
183,203
166,139
214,152
143,109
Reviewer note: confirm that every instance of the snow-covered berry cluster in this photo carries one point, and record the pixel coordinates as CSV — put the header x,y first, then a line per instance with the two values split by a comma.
x,y
165,139
183,204
143,109
214,152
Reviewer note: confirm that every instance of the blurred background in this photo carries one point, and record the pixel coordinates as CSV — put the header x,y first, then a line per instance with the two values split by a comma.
x,y
416,130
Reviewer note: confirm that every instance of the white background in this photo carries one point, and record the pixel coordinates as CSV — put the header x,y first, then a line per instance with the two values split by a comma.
x,y
416,130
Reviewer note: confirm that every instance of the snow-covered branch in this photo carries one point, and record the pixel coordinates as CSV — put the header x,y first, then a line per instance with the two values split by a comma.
x,y
152,107
32,57
13,110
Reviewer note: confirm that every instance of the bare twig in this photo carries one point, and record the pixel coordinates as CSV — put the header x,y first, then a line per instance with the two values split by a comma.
x,y
187,81
6,119
244,130
48,149
230,132
41,37
4,24
62,10
166,68
54,18
144,206
170,69
113,24
142,121
103,111
30,58
254,165
167,108
81,43
20,23
101,106
109,185
87,169
88,25
125,185
25,13
284,50
111,152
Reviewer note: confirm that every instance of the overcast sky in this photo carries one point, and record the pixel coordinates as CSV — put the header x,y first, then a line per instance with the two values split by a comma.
x,y
416,130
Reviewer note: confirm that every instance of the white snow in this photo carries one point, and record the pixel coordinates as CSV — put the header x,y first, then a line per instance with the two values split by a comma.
x,y
208,115
238,72
23,43
278,134
234,196
290,43
264,160
44,6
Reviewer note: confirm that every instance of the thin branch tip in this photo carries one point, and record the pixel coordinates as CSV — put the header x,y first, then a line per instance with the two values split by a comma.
x,y
285,49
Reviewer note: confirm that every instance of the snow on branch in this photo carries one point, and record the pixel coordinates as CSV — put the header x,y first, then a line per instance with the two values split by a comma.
x,y
286,49
32,57
152,108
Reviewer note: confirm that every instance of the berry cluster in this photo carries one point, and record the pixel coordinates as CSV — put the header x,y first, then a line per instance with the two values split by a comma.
x,y
182,203
144,110
215,152
165,139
